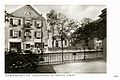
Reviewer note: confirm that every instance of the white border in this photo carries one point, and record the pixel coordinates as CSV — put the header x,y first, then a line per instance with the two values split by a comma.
x,y
113,31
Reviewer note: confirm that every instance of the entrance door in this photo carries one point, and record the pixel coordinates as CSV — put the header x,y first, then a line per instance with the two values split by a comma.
x,y
15,46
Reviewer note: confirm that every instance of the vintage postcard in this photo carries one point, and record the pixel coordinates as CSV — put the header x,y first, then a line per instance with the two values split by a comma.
x,y
55,38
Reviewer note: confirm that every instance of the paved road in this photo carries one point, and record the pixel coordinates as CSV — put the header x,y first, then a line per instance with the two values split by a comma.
x,y
81,67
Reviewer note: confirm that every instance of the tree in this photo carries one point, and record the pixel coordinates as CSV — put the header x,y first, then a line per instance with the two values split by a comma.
x,y
84,32
52,20
57,20
85,21
91,29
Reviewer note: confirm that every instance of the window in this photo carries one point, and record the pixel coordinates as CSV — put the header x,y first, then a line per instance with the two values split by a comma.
x,y
11,21
38,24
28,23
65,42
15,33
27,46
27,34
38,34
27,13
97,47
56,43
39,45
15,22
15,45
19,22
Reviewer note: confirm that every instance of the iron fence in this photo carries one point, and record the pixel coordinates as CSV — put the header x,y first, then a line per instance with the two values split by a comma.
x,y
65,57
56,58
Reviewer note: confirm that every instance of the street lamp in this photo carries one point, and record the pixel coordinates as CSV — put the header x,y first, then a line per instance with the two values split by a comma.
x,y
62,43
62,46
41,58
62,37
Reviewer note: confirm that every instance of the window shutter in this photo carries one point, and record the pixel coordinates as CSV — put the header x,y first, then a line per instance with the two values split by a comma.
x,y
19,22
35,34
11,21
41,24
19,33
35,23
43,45
11,32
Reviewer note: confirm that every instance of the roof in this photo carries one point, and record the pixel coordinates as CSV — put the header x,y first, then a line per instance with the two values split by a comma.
x,y
104,12
26,11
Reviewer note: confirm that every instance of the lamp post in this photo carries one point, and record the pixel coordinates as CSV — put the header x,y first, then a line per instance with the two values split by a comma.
x,y
62,43
41,58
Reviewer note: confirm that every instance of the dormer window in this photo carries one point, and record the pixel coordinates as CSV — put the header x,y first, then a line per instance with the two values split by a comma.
x,y
27,12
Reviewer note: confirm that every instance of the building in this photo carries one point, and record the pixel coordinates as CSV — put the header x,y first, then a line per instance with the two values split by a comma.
x,y
26,30
57,39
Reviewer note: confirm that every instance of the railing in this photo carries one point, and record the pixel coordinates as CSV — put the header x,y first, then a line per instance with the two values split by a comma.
x,y
56,57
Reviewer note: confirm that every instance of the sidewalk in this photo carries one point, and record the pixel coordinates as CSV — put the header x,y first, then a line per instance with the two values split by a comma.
x,y
81,67
45,69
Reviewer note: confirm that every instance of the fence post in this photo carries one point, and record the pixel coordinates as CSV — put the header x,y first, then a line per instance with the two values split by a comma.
x,y
84,54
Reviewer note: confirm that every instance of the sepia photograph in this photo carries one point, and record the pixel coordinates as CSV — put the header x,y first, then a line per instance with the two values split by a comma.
x,y
55,39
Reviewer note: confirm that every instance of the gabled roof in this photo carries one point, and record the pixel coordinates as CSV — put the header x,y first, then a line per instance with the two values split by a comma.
x,y
26,11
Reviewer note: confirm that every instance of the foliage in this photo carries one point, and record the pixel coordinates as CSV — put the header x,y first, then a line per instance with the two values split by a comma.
x,y
20,63
90,30
84,32
59,22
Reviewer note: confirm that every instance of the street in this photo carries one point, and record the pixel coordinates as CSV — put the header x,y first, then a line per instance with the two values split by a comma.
x,y
81,67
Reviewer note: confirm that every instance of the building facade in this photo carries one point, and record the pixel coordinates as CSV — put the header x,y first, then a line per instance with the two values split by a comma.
x,y
57,39
26,30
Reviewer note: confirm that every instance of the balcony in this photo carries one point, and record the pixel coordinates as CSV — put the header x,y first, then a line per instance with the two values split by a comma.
x,y
28,37
28,26
27,34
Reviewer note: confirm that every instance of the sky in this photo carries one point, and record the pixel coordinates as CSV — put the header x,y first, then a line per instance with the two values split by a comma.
x,y
76,12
